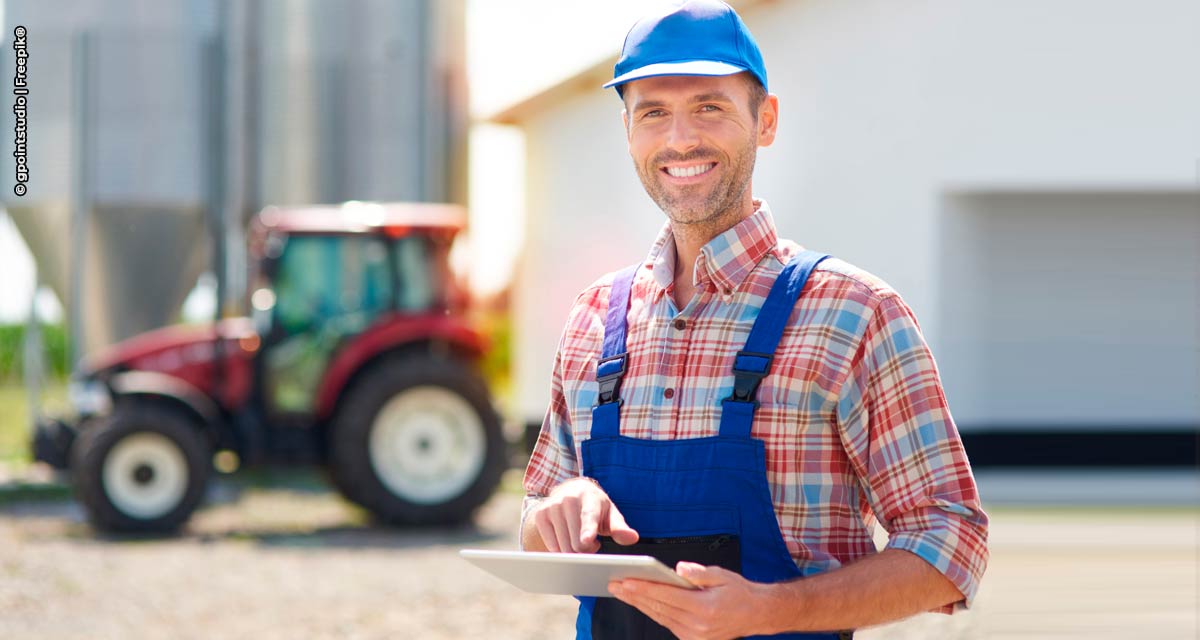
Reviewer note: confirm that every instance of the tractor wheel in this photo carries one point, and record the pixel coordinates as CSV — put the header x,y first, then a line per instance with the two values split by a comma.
x,y
416,441
142,469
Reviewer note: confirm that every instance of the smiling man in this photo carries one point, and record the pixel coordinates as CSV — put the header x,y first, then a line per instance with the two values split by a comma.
x,y
740,407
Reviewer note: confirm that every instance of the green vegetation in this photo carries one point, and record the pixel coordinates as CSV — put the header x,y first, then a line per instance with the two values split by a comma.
x,y
496,325
15,453
26,492
12,351
14,425
14,419
14,399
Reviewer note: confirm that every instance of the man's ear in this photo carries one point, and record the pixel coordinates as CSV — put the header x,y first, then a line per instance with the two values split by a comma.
x,y
768,120
625,121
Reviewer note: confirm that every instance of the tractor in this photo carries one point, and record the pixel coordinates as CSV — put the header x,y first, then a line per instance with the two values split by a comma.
x,y
357,357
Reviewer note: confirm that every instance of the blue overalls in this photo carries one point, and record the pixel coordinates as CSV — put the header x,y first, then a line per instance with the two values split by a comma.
x,y
701,499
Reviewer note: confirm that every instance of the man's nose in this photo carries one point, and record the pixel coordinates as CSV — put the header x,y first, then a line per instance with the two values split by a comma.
x,y
683,135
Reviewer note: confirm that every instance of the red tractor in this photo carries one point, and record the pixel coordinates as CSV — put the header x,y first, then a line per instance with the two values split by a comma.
x,y
357,357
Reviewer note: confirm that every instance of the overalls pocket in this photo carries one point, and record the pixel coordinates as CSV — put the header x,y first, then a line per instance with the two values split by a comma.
x,y
722,550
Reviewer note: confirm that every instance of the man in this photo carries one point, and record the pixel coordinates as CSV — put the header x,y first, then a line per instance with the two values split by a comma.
x,y
739,407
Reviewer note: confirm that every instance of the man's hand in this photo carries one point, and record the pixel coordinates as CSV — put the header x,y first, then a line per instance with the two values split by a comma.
x,y
573,515
887,586
725,606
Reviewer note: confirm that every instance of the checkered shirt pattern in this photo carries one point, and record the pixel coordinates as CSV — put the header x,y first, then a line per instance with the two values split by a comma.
x,y
852,413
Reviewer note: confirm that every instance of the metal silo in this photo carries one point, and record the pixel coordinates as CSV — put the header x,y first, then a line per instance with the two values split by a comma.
x,y
359,100
118,137
156,128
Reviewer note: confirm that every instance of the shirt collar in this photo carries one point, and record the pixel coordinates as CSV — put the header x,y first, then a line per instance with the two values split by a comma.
x,y
727,259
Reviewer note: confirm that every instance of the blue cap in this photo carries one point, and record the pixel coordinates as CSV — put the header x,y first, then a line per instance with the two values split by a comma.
x,y
698,38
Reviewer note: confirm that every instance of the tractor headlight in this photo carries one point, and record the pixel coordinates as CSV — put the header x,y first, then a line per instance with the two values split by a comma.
x,y
89,397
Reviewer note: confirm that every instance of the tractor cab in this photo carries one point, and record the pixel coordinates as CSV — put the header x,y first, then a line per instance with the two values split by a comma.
x,y
325,277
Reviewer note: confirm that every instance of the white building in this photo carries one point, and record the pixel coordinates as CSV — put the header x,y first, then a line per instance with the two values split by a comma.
x,y
1024,173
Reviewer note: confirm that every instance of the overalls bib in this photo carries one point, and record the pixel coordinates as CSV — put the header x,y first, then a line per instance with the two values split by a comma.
x,y
700,499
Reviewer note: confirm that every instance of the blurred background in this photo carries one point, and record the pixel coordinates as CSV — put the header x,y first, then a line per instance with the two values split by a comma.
x,y
1024,174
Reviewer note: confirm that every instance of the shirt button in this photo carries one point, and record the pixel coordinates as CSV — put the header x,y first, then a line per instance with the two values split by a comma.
x,y
680,324
668,393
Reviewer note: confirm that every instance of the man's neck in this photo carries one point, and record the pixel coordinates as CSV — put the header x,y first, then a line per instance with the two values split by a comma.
x,y
689,240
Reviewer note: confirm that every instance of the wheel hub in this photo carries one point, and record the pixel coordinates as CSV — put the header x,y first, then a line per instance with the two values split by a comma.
x,y
145,475
427,445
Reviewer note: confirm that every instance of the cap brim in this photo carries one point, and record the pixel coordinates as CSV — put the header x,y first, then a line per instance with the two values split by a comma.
x,y
693,68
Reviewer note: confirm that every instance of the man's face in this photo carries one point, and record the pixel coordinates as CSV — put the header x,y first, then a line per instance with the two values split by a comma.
x,y
693,140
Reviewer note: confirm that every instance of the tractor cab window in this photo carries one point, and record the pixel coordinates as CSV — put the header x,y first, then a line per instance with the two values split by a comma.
x,y
327,289
415,283
331,279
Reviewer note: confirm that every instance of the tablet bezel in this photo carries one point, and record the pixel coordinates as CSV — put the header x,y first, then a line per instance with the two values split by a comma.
x,y
575,574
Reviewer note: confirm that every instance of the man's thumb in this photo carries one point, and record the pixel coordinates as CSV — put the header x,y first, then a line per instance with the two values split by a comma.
x,y
700,575
621,532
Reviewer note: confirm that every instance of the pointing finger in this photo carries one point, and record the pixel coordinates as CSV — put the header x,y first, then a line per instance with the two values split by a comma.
x,y
621,532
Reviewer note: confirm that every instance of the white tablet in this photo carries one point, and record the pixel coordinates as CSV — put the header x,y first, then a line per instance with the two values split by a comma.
x,y
572,574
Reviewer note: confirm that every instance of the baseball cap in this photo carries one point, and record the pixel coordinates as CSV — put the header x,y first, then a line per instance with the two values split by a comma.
x,y
696,38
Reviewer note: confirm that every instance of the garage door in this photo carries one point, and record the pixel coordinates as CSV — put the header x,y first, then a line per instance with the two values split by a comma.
x,y
1072,311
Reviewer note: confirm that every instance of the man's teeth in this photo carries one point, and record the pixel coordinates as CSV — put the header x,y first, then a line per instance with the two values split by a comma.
x,y
687,172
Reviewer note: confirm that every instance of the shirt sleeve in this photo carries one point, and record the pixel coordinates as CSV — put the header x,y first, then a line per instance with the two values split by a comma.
x,y
906,449
553,459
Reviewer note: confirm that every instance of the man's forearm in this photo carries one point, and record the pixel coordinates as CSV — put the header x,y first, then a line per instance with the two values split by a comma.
x,y
890,585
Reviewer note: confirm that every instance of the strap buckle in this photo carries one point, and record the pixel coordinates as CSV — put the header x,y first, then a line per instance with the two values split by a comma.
x,y
749,369
608,375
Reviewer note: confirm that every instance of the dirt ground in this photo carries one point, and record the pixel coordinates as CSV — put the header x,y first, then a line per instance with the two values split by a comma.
x,y
298,562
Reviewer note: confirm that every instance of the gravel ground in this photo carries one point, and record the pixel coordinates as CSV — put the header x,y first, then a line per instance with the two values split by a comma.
x,y
263,564
298,562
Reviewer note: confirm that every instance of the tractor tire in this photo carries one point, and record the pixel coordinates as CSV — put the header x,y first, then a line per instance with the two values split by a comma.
x,y
142,469
416,441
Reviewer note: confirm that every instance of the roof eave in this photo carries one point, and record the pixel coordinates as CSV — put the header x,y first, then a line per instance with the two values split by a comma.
x,y
589,79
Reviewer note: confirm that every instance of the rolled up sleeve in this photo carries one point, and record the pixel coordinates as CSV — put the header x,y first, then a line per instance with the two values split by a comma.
x,y
907,451
554,457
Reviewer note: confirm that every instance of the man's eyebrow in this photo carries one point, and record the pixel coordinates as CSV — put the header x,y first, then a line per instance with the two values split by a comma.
x,y
715,96
648,104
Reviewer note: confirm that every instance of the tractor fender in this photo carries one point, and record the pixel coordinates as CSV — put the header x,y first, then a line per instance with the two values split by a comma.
x,y
160,385
430,330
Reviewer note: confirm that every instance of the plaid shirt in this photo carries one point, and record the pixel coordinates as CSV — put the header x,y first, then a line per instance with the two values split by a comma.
x,y
853,415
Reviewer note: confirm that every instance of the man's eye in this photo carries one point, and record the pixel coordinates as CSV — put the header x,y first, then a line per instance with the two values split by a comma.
x,y
710,107
654,113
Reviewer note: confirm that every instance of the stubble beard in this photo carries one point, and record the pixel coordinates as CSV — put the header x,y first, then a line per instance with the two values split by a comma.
x,y
719,208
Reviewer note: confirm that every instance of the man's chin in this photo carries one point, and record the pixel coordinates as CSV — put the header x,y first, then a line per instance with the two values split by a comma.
x,y
695,209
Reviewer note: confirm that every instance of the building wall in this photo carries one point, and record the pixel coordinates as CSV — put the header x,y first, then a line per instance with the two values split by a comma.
x,y
586,215
920,140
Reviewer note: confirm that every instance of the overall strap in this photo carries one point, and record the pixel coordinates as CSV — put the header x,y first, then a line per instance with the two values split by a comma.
x,y
614,359
753,363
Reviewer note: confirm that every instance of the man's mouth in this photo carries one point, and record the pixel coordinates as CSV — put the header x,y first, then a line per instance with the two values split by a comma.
x,y
690,170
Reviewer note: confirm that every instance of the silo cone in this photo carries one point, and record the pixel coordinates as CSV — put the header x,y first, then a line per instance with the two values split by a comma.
x,y
119,141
